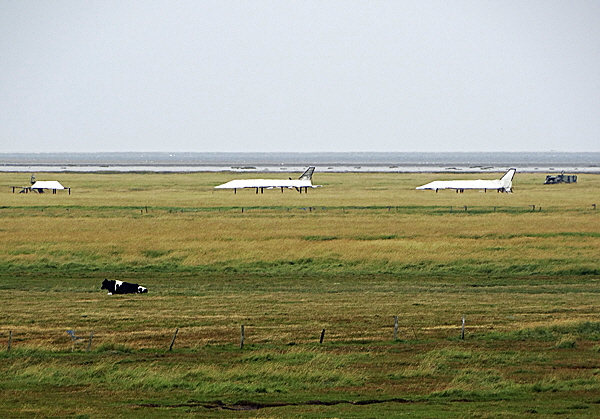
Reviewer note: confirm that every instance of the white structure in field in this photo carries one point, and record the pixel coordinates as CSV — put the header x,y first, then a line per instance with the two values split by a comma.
x,y
41,185
303,182
504,184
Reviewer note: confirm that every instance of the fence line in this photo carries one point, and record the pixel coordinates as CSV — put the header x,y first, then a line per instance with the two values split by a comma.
x,y
396,328
412,209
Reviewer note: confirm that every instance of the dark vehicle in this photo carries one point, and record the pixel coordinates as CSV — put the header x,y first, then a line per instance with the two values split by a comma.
x,y
562,178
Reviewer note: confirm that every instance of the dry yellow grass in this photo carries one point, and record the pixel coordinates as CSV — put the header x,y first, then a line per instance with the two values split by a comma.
x,y
103,224
105,221
190,190
286,273
207,238
210,309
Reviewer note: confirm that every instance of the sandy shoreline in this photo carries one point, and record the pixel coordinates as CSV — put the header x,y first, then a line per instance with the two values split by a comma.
x,y
367,168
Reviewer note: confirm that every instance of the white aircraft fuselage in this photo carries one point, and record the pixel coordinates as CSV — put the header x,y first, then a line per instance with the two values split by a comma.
x,y
504,184
304,182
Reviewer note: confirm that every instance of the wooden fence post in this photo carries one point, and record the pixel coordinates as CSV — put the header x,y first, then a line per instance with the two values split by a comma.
x,y
9,341
90,341
395,327
173,341
322,336
242,337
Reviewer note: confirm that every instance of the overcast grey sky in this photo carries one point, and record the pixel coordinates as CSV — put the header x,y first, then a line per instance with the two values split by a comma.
x,y
299,75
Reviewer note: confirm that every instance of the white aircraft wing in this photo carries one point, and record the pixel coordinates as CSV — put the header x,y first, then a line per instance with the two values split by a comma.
x,y
266,183
462,184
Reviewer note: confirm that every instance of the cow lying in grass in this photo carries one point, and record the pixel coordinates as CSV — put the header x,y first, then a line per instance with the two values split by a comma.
x,y
121,287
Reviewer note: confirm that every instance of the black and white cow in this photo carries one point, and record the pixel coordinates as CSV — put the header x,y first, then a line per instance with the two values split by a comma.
x,y
121,287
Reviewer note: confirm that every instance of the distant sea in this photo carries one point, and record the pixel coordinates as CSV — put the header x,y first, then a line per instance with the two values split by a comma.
x,y
470,162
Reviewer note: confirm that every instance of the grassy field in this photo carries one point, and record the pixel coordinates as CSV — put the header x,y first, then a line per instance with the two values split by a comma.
x,y
522,269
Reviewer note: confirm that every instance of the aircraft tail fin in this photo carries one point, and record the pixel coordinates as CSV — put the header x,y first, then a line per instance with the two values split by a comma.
x,y
508,176
308,174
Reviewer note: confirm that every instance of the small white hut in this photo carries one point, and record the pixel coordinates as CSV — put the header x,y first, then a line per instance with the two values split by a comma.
x,y
41,185
54,185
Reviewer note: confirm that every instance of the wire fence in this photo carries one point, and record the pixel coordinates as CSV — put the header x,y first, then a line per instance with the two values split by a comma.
x,y
190,337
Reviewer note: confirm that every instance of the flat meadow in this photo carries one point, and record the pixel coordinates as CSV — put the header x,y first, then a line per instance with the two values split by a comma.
x,y
318,282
